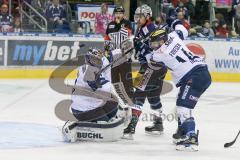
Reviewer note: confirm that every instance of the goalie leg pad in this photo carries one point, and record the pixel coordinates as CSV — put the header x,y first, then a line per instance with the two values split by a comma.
x,y
96,132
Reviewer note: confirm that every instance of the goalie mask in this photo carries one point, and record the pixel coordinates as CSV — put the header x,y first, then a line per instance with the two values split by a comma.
x,y
143,10
158,38
94,58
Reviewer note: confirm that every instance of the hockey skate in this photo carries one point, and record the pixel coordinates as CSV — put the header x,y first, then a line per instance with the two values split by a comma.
x,y
188,143
69,133
130,130
156,128
177,136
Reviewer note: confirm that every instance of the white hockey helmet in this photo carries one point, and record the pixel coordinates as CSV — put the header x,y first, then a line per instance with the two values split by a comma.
x,y
143,10
94,57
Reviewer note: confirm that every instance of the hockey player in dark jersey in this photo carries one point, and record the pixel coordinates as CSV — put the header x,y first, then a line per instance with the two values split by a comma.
x,y
117,31
154,84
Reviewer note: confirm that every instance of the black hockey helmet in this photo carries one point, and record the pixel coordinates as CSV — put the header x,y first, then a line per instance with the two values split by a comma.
x,y
119,9
158,38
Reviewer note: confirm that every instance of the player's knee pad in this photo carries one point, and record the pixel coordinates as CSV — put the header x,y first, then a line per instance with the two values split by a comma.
x,y
183,114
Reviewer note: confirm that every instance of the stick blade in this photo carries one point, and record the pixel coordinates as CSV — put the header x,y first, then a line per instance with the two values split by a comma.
x,y
226,145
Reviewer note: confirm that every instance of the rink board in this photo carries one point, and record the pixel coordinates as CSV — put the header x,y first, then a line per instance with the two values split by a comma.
x,y
31,55
45,73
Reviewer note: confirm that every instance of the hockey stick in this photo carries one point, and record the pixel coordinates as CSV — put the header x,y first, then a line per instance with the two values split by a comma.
x,y
106,96
113,62
226,145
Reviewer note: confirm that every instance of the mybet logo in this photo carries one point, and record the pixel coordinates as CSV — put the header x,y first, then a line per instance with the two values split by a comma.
x,y
48,52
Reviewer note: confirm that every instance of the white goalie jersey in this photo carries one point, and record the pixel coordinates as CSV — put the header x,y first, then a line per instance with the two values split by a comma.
x,y
85,103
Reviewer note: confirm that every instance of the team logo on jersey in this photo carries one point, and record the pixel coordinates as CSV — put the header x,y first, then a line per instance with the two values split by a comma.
x,y
185,92
145,30
193,98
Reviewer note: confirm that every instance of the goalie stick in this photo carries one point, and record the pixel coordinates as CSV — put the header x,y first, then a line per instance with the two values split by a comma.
x,y
113,62
229,144
62,108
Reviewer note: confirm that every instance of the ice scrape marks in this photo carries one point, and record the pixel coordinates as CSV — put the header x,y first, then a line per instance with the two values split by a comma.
x,y
6,88
14,135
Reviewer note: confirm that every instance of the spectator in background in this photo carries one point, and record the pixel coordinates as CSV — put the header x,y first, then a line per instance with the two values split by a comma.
x,y
160,21
17,25
38,5
186,24
222,30
206,31
6,20
102,19
14,6
56,17
181,8
190,7
180,16
235,3
215,24
237,18
202,11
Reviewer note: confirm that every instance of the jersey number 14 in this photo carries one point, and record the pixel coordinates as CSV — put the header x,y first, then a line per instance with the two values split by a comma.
x,y
189,55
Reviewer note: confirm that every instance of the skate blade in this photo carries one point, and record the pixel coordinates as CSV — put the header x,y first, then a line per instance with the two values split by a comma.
x,y
190,148
127,137
175,141
154,133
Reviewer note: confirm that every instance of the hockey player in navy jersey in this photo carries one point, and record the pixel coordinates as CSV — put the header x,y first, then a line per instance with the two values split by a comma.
x,y
153,87
190,73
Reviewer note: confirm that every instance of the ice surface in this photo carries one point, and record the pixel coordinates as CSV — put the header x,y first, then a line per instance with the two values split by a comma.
x,y
27,109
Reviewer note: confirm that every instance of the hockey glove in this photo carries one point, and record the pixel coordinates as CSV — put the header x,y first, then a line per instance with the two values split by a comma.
x,y
93,85
97,84
102,81
138,44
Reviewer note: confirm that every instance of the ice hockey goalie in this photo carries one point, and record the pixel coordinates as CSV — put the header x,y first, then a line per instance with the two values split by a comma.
x,y
94,105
